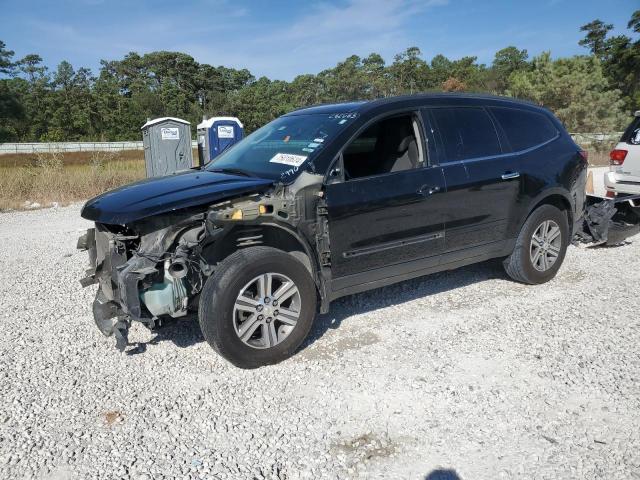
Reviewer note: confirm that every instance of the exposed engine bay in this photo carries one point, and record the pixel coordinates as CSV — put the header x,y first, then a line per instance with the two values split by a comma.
x,y
156,266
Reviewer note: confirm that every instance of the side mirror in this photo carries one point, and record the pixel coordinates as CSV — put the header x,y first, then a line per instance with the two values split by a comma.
x,y
335,175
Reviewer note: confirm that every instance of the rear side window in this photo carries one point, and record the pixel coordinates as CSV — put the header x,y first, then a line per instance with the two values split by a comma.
x,y
524,129
466,132
632,133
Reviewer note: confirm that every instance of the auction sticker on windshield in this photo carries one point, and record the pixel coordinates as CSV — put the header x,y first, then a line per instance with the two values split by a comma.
x,y
288,159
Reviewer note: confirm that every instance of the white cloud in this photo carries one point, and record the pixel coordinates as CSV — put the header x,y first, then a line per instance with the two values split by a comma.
x,y
357,16
327,34
230,35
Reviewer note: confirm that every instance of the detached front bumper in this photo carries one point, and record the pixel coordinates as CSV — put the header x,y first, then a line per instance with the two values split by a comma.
x,y
609,221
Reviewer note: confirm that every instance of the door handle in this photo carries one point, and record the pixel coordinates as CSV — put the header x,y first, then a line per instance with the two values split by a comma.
x,y
426,190
510,175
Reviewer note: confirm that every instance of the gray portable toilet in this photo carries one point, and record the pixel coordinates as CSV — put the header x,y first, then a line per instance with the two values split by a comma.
x,y
217,134
167,146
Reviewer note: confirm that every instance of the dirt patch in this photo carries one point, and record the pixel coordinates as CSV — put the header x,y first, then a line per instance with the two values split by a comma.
x,y
365,448
113,417
323,351
573,276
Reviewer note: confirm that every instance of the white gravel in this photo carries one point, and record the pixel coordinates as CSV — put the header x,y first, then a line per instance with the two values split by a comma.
x,y
463,371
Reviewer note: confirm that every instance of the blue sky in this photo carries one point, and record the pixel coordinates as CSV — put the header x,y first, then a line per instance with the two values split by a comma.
x,y
281,39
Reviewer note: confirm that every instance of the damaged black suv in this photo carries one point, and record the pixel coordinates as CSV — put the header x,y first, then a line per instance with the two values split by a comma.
x,y
328,201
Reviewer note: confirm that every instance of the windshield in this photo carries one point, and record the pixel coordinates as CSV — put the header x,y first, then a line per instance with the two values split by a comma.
x,y
278,150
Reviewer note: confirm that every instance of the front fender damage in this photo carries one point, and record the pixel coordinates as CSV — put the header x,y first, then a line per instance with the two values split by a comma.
x,y
143,275
156,267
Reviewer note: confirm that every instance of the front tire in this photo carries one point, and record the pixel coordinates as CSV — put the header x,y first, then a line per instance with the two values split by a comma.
x,y
540,247
258,307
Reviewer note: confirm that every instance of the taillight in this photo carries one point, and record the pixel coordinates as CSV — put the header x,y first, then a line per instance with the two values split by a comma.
x,y
585,155
616,157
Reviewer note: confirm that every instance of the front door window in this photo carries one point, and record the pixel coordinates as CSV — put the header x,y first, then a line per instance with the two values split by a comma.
x,y
390,145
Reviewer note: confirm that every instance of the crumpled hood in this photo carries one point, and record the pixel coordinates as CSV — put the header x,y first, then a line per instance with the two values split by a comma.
x,y
160,195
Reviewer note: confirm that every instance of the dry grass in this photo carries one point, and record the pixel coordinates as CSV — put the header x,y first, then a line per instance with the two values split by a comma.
x,y
64,178
599,152
12,160
598,159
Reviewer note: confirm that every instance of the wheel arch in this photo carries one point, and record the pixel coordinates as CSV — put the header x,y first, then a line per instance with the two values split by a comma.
x,y
557,198
266,234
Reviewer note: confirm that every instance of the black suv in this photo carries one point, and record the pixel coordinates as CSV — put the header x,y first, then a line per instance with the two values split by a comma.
x,y
328,201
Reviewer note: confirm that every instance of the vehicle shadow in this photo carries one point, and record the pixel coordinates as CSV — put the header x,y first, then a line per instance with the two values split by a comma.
x,y
442,474
402,292
185,332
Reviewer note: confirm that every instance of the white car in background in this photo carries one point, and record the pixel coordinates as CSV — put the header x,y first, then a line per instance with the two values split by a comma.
x,y
624,175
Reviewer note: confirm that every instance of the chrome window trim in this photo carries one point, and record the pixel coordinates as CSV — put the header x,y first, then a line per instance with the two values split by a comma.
x,y
502,155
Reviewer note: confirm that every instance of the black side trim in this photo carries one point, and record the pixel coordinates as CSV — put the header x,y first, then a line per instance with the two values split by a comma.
x,y
395,244
381,277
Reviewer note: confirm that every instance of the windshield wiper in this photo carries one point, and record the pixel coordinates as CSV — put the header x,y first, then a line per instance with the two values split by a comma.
x,y
233,171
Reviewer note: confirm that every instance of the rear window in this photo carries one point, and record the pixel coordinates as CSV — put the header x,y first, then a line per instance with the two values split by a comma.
x,y
524,129
632,133
466,132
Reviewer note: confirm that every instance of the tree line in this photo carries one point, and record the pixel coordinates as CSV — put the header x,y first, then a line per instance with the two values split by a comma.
x,y
594,92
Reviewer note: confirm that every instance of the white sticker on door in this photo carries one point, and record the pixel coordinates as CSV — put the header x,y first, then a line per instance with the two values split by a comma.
x,y
288,159
225,131
170,133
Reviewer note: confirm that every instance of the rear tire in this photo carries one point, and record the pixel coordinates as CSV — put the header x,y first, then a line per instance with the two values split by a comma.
x,y
244,282
540,247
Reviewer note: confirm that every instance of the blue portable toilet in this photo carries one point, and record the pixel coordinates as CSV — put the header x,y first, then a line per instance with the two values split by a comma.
x,y
217,134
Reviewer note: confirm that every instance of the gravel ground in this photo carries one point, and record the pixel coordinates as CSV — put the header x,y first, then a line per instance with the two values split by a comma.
x,y
463,374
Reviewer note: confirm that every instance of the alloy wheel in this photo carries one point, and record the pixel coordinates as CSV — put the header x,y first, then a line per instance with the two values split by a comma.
x,y
546,244
266,310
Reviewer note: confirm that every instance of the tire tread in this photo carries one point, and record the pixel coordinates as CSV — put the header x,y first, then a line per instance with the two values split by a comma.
x,y
214,288
516,264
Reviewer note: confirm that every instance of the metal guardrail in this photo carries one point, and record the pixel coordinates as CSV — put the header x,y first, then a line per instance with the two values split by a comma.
x,y
590,138
35,147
